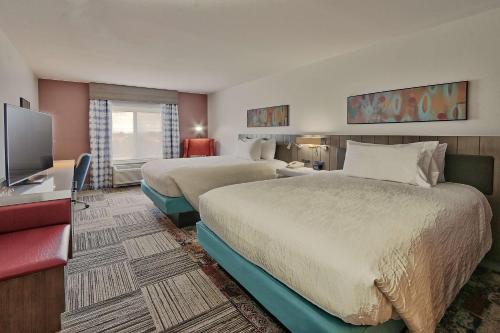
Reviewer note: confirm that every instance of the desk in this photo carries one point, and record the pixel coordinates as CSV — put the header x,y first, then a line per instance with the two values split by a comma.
x,y
28,206
57,185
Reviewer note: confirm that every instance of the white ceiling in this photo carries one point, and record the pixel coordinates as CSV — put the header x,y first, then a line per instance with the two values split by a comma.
x,y
206,45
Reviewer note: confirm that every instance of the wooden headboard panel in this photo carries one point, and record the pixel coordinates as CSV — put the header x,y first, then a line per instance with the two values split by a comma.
x,y
465,145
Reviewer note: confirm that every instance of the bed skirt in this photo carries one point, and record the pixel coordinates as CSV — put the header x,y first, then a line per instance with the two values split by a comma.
x,y
291,309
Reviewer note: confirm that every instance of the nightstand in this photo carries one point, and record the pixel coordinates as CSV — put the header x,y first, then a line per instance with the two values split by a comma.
x,y
289,172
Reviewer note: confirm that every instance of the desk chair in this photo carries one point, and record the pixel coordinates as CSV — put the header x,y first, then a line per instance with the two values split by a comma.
x,y
81,169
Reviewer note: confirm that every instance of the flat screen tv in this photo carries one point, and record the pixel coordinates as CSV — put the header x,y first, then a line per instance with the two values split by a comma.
x,y
28,143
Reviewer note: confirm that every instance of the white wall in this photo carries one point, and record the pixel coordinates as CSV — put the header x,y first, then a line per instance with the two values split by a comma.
x,y
468,49
16,80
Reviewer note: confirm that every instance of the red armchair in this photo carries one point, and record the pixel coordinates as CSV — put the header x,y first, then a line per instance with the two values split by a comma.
x,y
199,147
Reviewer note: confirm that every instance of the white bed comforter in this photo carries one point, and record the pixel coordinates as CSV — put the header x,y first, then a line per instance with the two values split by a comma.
x,y
363,250
157,173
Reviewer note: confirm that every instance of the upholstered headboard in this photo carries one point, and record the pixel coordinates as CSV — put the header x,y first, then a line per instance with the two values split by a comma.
x,y
473,170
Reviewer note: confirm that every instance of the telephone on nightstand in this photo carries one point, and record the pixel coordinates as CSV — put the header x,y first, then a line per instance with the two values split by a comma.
x,y
295,165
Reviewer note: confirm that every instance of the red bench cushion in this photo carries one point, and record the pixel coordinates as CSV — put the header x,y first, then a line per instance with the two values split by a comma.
x,y
34,215
29,251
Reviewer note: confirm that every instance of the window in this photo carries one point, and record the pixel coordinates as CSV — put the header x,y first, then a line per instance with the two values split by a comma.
x,y
136,131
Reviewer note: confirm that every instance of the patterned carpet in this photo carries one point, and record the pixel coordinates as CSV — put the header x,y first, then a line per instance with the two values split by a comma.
x,y
135,271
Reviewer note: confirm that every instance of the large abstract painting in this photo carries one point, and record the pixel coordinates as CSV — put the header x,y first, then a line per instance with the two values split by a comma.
x,y
430,103
273,116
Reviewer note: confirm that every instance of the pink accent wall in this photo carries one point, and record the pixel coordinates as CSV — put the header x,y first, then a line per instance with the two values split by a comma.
x,y
192,111
68,102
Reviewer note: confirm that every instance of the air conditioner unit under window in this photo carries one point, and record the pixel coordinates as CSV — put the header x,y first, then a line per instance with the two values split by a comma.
x,y
127,174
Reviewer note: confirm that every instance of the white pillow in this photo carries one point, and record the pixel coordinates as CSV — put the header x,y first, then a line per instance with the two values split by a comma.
x,y
439,156
428,172
249,149
433,158
268,149
382,162
408,163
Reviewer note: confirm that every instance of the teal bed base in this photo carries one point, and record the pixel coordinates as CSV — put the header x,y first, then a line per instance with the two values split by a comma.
x,y
168,205
178,209
291,309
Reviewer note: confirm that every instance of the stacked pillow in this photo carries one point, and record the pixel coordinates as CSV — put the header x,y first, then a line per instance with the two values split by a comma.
x,y
268,149
249,149
256,149
418,163
439,156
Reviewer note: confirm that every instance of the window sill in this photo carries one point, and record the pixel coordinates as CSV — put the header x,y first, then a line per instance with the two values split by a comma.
x,y
134,161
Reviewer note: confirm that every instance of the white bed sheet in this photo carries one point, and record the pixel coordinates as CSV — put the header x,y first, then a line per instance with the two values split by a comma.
x,y
156,173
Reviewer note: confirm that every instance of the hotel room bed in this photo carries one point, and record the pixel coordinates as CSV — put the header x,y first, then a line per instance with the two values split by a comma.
x,y
174,185
158,173
365,251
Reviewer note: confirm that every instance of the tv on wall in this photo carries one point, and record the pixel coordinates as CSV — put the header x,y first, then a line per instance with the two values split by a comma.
x,y
28,143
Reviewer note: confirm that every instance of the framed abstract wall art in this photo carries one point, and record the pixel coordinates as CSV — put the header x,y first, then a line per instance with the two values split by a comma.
x,y
24,103
273,116
428,103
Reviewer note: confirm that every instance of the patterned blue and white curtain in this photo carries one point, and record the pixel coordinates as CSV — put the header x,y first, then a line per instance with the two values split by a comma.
x,y
170,130
101,172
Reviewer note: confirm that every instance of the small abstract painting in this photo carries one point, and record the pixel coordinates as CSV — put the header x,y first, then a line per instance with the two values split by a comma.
x,y
24,103
429,103
273,116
